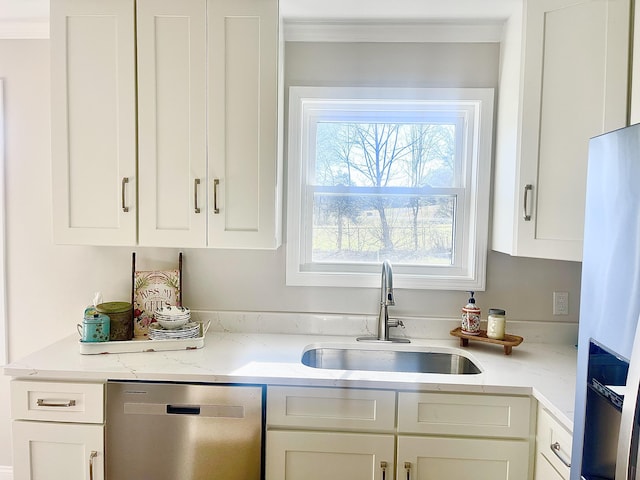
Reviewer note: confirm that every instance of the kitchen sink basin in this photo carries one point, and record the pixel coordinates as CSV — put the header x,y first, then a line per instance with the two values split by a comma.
x,y
442,361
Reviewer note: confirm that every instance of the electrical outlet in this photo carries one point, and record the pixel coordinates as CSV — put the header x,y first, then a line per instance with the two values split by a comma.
x,y
561,303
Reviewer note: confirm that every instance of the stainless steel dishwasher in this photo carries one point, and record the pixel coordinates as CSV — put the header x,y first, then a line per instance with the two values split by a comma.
x,y
177,431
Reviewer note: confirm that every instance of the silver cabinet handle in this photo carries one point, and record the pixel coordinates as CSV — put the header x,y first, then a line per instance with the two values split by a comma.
x,y
555,448
93,455
383,467
407,467
216,182
196,182
55,403
527,188
125,180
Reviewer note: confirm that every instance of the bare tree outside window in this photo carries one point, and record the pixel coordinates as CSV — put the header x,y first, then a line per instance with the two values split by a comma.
x,y
380,191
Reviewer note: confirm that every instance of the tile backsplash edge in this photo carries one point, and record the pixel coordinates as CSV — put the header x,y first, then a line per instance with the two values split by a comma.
x,y
355,325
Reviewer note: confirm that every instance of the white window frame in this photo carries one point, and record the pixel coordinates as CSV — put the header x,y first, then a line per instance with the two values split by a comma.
x,y
474,106
4,339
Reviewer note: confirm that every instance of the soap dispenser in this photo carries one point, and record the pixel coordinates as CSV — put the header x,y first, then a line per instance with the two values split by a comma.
x,y
471,317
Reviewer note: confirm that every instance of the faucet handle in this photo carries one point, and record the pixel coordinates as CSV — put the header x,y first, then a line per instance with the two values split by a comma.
x,y
394,322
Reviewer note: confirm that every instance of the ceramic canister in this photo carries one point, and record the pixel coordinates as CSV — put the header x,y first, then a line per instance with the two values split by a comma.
x,y
95,328
121,315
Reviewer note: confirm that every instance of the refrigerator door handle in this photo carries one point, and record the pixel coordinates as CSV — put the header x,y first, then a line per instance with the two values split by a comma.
x,y
628,412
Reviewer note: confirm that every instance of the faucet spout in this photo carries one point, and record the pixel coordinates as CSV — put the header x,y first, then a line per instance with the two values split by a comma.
x,y
386,288
387,299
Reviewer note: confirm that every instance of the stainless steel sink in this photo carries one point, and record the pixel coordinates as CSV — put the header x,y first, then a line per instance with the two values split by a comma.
x,y
386,360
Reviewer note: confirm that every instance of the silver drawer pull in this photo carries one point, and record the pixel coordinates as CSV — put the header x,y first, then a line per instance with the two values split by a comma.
x,y
125,180
383,466
55,403
407,467
196,182
555,448
527,188
93,455
216,184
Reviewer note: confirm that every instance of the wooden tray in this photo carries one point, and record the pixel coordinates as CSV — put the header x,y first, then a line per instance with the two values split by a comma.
x,y
508,343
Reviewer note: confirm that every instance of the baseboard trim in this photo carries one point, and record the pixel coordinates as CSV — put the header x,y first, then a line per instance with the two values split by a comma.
x,y
6,473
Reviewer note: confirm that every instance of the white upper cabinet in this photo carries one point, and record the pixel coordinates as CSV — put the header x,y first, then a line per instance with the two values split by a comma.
x,y
244,168
202,102
634,107
93,122
564,78
172,146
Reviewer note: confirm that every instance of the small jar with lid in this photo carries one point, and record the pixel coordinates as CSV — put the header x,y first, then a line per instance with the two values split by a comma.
x,y
496,324
121,315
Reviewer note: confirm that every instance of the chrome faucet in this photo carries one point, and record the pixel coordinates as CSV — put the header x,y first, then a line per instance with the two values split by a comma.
x,y
386,299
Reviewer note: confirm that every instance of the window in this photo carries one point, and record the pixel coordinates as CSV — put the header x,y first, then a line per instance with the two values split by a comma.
x,y
387,173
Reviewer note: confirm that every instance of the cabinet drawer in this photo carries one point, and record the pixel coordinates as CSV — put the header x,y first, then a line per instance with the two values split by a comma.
x,y
553,443
464,414
331,408
57,401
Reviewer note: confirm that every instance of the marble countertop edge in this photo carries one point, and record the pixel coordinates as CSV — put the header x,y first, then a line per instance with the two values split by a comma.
x,y
546,371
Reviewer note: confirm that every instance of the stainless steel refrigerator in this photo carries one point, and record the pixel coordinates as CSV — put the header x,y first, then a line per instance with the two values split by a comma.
x,y
604,446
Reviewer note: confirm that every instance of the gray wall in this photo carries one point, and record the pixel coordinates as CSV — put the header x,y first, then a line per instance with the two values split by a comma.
x,y
48,286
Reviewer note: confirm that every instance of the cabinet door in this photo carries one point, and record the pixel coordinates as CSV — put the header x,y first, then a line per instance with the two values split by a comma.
x,y
57,451
323,455
244,167
553,448
93,122
573,87
171,46
437,458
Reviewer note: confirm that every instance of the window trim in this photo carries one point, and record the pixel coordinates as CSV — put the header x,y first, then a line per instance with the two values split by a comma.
x,y
4,339
472,276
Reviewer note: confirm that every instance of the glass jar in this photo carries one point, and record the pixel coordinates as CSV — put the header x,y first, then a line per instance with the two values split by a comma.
x,y
496,323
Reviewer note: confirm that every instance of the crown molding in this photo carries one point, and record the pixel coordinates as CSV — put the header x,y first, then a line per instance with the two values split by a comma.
x,y
24,28
439,32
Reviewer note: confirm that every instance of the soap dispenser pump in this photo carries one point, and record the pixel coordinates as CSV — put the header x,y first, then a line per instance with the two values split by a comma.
x,y
471,317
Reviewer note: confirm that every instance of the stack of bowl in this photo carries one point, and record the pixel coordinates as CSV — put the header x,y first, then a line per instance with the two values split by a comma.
x,y
172,317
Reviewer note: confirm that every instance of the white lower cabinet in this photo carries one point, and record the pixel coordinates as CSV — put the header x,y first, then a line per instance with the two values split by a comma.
x,y
57,430
57,451
553,448
315,433
484,437
322,455
439,458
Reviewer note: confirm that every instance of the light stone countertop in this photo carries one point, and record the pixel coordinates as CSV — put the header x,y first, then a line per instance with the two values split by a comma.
x,y
546,371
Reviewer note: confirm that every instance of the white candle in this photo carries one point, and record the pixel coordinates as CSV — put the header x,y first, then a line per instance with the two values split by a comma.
x,y
496,324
